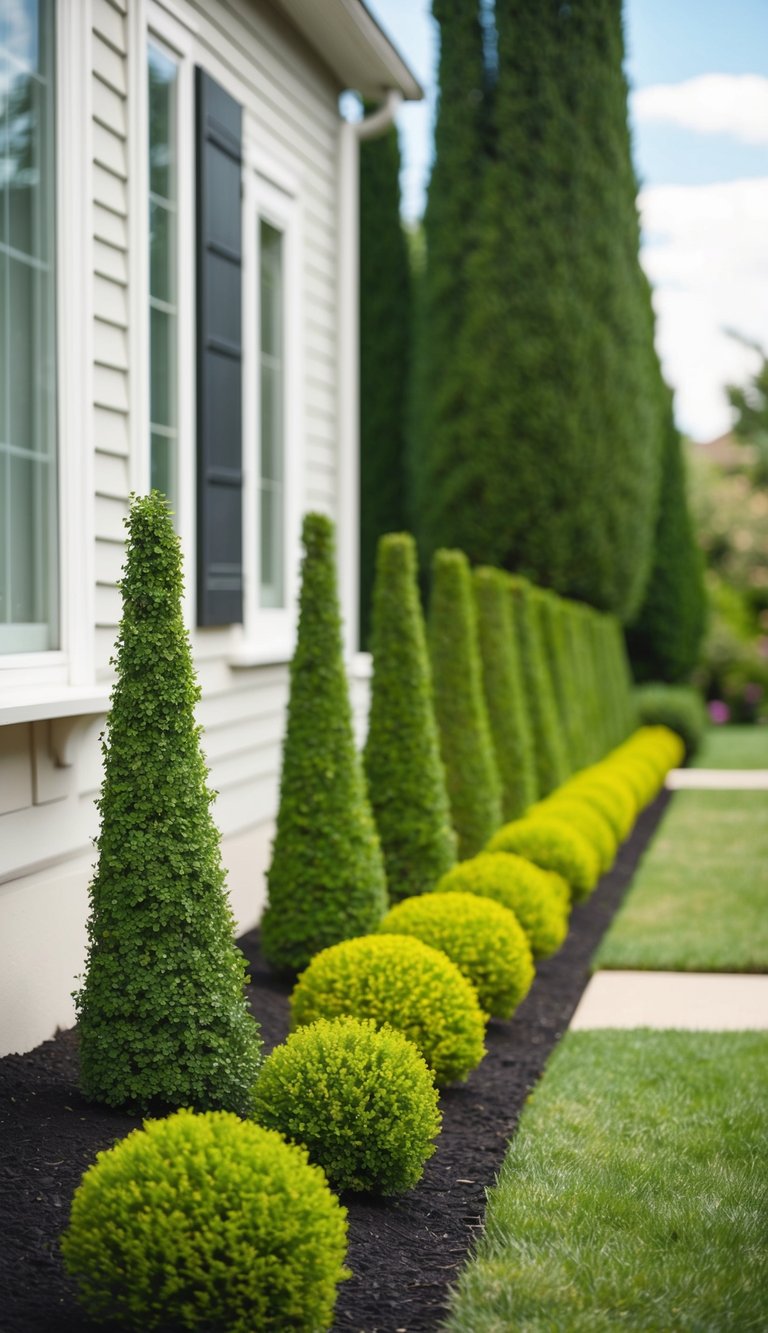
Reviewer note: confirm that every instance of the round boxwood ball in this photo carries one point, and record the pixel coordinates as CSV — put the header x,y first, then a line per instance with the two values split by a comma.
x,y
552,844
484,939
206,1221
586,818
539,899
615,805
398,980
361,1100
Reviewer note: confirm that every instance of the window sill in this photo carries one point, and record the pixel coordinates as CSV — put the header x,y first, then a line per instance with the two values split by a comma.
x,y
258,655
36,703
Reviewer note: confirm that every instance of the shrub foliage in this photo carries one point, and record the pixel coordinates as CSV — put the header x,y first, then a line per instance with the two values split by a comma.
x,y
504,692
361,1099
326,881
553,844
539,898
206,1221
485,941
474,788
551,761
406,779
404,983
162,1014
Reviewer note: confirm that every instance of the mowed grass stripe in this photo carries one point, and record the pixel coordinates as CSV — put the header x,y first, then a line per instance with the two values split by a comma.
x,y
699,901
634,1194
733,747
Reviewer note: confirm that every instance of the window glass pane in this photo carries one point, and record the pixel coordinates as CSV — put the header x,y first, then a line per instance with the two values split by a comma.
x,y
28,533
272,416
163,309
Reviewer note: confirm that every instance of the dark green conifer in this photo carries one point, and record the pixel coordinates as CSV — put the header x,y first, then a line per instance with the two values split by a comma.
x,y
504,693
474,787
406,779
665,637
326,881
162,1013
385,329
551,763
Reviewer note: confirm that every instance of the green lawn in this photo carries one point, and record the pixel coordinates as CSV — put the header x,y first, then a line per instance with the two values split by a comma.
x,y
634,1194
733,747
699,901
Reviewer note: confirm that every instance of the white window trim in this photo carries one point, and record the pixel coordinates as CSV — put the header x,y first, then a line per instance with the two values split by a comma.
x,y
157,23
72,664
271,193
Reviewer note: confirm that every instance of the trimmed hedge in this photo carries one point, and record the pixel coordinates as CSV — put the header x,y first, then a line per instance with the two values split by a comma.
x,y
406,779
539,898
504,693
555,845
485,941
551,762
474,787
161,1013
360,1099
679,707
398,981
326,881
206,1221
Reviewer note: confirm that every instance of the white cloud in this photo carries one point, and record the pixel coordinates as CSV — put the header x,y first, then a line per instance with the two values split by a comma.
x,y
735,104
706,253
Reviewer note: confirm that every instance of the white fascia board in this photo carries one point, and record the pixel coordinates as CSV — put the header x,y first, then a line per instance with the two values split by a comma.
x,y
351,43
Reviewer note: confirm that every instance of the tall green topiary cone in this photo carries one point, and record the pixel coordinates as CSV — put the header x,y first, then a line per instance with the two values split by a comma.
x,y
474,787
551,763
162,1015
326,882
406,779
504,693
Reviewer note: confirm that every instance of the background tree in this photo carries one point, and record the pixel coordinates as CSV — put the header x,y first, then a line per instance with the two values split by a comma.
x,y
665,637
326,881
549,388
385,335
162,1015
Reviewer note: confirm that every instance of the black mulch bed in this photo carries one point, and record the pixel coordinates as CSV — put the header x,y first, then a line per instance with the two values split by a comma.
x,y
404,1253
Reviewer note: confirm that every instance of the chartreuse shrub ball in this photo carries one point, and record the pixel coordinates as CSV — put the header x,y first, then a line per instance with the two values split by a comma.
x,y
484,940
361,1099
206,1222
612,798
539,899
584,817
398,980
555,845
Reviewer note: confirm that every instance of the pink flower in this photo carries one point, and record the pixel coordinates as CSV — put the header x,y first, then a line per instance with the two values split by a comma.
x,y
719,711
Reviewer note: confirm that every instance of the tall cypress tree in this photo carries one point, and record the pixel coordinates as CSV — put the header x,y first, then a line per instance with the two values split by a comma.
x,y
665,637
385,326
550,464
462,130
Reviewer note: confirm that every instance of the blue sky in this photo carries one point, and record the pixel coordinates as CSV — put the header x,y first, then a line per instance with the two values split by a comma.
x,y
700,134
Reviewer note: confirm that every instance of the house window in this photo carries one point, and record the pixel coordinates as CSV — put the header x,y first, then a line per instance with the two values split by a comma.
x,y
28,481
163,296
272,418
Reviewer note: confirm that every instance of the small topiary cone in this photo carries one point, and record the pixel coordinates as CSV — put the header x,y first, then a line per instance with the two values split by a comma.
x,y
406,779
474,787
504,693
162,1014
326,882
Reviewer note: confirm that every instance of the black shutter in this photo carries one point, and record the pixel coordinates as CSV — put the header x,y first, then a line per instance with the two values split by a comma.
x,y
219,356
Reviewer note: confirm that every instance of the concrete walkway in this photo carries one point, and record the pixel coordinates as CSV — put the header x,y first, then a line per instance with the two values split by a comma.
x,y
717,779
713,1001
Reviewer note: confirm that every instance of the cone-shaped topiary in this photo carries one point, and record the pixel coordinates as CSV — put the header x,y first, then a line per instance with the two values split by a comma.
x,y
540,899
326,881
504,693
399,981
360,1099
406,779
551,765
474,788
485,941
161,1012
206,1222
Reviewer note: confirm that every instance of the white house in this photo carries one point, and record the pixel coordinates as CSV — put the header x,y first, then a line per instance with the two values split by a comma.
x,y
178,307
